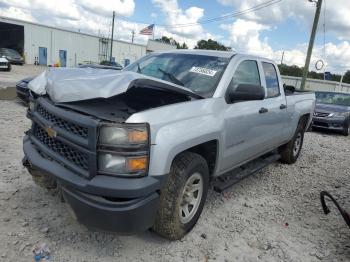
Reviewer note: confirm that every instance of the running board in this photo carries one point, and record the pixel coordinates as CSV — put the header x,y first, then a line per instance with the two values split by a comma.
x,y
234,176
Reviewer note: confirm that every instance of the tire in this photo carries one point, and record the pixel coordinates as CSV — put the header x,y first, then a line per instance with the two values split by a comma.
x,y
291,151
346,130
188,171
42,180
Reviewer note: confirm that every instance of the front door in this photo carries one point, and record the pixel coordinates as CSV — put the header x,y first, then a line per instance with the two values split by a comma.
x,y
245,124
42,56
63,58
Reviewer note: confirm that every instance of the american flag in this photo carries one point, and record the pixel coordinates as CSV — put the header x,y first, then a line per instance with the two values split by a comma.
x,y
147,30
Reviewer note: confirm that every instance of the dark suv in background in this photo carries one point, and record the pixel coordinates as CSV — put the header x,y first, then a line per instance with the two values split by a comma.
x,y
332,111
12,56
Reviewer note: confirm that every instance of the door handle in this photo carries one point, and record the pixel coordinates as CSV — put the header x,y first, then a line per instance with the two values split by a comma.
x,y
263,110
283,106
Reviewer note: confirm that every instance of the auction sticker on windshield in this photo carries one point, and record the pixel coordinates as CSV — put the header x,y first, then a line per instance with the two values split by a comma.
x,y
203,71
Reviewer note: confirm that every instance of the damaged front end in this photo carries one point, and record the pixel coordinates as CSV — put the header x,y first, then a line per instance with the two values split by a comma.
x,y
85,146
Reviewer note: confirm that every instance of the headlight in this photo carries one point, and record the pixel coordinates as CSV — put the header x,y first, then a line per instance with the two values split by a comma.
x,y
31,105
22,84
111,163
114,135
123,150
339,114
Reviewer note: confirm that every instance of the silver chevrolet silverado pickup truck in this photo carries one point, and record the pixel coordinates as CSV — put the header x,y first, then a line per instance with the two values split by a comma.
x,y
138,149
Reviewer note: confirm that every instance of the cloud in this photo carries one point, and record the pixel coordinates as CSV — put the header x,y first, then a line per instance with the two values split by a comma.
x,y
17,13
87,16
105,7
176,15
245,37
337,14
245,32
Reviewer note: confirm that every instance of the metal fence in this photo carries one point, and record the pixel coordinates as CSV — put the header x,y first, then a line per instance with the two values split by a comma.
x,y
317,85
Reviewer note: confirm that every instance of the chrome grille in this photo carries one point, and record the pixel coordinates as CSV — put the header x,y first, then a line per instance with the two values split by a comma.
x,y
70,127
321,114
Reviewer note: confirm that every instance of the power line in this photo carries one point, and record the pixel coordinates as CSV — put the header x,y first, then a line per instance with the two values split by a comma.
x,y
211,20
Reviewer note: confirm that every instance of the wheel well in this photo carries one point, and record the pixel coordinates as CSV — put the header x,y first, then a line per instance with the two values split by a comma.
x,y
304,119
209,151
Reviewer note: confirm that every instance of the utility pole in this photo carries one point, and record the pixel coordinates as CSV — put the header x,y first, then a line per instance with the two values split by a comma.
x,y
110,56
282,57
132,36
311,43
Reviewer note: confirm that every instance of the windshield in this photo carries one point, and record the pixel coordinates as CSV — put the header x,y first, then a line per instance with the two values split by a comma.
x,y
199,73
10,52
333,98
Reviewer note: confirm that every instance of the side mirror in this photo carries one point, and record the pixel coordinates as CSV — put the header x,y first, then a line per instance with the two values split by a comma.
x,y
288,89
246,92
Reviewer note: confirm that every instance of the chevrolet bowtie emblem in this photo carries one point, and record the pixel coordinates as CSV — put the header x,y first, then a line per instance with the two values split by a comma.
x,y
51,132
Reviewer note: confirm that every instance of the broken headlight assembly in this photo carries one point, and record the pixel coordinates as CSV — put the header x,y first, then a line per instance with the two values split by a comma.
x,y
123,150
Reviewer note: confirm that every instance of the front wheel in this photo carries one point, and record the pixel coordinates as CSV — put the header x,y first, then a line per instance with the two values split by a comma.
x,y
291,151
183,197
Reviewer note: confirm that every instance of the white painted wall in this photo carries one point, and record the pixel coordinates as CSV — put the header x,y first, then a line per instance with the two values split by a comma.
x,y
316,84
153,45
80,47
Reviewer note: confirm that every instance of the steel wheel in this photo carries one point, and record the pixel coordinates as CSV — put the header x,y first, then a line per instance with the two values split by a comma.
x,y
191,197
297,144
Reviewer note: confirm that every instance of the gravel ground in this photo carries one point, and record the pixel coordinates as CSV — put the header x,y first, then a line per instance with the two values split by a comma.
x,y
9,79
274,215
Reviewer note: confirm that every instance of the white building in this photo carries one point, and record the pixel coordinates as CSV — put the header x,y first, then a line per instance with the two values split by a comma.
x,y
49,45
317,85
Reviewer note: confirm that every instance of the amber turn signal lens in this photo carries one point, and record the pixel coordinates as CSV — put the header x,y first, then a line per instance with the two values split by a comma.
x,y
138,136
136,164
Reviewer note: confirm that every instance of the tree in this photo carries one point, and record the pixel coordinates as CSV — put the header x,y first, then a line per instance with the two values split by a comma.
x,y
172,41
346,78
211,45
298,71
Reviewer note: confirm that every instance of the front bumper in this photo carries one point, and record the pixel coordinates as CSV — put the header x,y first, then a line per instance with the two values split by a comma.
x,y
22,94
329,123
125,205
15,61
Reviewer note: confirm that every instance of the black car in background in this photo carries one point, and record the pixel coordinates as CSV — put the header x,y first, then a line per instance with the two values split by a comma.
x,y
22,90
12,56
113,64
332,111
22,86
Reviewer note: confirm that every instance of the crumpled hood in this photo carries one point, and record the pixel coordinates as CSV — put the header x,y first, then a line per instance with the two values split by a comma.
x,y
76,84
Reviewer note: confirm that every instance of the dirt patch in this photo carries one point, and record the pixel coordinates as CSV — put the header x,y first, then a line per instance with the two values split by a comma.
x,y
274,215
8,93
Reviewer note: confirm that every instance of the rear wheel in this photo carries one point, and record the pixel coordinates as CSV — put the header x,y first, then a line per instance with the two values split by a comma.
x,y
183,197
291,151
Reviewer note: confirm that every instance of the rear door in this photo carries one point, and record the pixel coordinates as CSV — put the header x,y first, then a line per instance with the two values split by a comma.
x,y
275,104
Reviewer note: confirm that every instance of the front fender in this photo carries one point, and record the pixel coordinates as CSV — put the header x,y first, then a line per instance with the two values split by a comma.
x,y
177,137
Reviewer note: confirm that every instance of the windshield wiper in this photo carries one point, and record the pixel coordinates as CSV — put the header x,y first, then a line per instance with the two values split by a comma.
x,y
171,77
